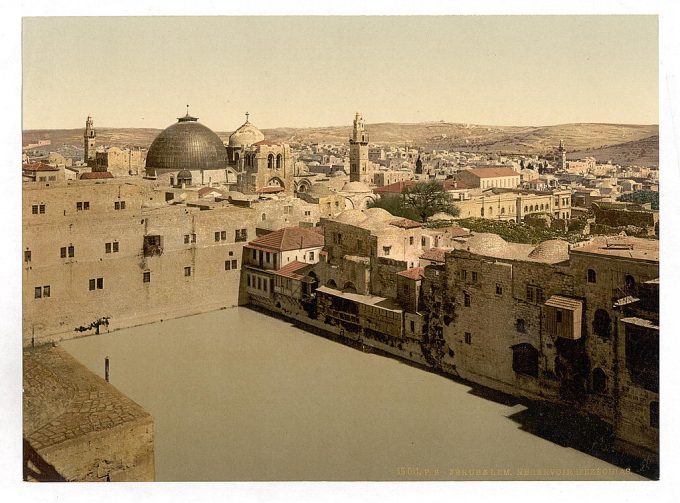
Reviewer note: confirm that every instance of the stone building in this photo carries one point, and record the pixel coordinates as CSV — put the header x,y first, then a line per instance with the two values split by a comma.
x,y
516,204
268,168
89,142
79,428
488,177
39,172
121,162
557,333
108,254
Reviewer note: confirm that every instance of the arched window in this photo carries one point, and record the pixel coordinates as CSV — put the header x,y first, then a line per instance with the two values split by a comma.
x,y
349,287
602,323
531,208
270,161
481,211
599,381
592,276
502,211
490,210
542,207
279,161
264,217
236,156
526,209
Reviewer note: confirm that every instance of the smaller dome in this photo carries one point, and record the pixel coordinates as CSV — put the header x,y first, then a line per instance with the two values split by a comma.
x,y
553,250
353,217
184,175
379,214
245,135
485,243
355,187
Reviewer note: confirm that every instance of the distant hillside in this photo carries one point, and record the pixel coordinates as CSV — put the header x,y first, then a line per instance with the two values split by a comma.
x,y
632,144
643,152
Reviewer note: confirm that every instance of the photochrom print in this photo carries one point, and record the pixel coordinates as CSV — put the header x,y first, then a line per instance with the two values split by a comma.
x,y
340,248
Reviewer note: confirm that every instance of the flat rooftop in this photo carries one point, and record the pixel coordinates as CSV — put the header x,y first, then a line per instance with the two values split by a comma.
x,y
621,246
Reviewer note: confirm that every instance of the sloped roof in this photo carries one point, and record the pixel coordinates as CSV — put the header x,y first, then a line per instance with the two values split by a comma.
x,y
292,270
415,273
38,166
493,172
394,188
405,223
435,254
96,175
290,238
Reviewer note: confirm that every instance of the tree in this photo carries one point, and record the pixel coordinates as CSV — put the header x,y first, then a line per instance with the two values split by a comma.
x,y
394,205
428,198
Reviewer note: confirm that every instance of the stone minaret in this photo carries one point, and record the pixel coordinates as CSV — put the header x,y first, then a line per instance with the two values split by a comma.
x,y
89,142
358,152
563,156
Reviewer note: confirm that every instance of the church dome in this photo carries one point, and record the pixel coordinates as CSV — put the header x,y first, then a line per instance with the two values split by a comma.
x,y
187,145
355,187
245,136
379,214
553,250
352,217
484,243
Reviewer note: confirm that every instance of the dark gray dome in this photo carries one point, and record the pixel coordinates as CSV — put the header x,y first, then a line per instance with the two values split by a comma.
x,y
187,145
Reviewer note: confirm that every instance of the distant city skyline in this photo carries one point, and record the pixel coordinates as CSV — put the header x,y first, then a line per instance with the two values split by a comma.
x,y
318,71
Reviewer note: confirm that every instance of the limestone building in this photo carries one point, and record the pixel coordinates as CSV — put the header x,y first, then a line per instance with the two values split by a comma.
x,y
90,142
358,152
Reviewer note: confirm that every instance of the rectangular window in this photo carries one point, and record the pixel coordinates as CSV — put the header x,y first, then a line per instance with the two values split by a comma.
x,y
217,236
558,316
410,241
520,325
248,279
34,209
100,283
223,235
422,241
240,235
463,274
413,327
63,252
46,291
116,205
231,253
539,296
193,238
254,254
311,255
107,248
227,265
474,277
187,271
308,213
386,250
27,255
268,257
71,251
499,289
530,293
468,338
146,277
93,284
86,205
186,239
79,206
467,300
38,292
115,247
234,264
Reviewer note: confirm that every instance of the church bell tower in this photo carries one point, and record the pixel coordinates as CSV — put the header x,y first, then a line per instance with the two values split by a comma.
x,y
89,142
563,156
358,152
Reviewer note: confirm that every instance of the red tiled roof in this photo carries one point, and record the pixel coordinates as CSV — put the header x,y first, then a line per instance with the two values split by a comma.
x,y
416,273
405,223
38,166
455,231
96,175
270,190
290,238
394,188
493,172
434,255
290,270
450,184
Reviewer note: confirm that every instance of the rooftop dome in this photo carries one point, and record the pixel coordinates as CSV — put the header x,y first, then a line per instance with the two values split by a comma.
x,y
187,145
355,187
246,135
485,243
185,174
553,250
353,217
379,214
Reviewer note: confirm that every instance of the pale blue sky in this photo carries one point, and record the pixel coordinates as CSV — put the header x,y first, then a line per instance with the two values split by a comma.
x,y
315,71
